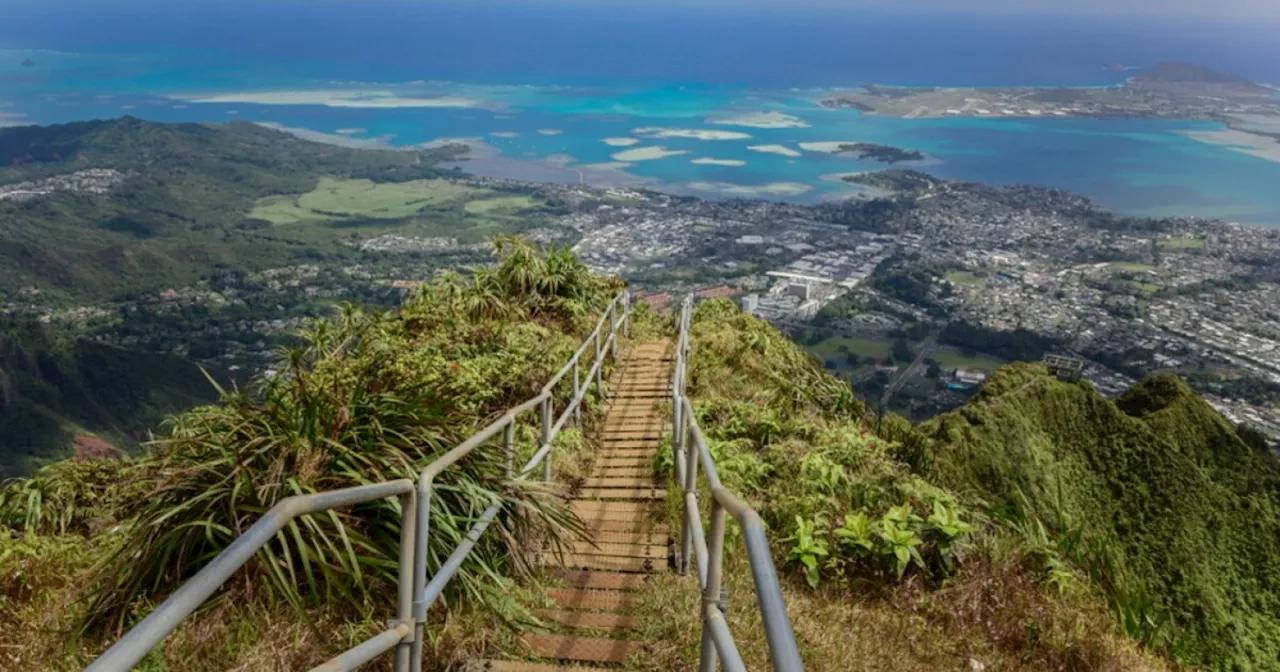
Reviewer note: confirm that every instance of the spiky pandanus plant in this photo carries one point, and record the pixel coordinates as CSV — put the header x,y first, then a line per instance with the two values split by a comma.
x,y
367,397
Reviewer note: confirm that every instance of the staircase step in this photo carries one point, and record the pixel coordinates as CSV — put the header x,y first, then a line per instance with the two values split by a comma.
x,y
582,649
602,563
591,600
644,538
578,578
612,472
585,620
520,666
611,463
629,525
637,452
620,550
623,493
612,481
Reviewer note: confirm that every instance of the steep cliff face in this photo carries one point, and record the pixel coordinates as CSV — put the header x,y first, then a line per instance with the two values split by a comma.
x,y
1189,507
55,390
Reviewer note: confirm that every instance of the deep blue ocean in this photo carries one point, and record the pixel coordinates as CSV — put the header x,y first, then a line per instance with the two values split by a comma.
x,y
554,80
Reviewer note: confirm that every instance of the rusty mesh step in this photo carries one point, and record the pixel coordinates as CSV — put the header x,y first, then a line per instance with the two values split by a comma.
x,y
609,463
641,472
579,578
625,494
621,550
638,451
582,649
520,666
591,600
602,563
611,480
643,537
635,524
587,620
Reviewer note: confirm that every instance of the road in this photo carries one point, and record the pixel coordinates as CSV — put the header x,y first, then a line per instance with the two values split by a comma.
x,y
930,344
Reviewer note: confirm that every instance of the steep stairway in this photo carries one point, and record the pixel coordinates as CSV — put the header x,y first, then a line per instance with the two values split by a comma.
x,y
596,587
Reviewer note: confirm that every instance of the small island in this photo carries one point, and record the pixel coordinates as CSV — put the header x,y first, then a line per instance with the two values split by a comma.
x,y
896,180
881,153
28,62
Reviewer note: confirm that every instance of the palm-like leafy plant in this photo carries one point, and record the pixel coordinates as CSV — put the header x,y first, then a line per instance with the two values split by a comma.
x,y
366,397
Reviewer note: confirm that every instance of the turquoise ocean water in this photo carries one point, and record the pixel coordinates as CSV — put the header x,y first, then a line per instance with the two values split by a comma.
x,y
553,81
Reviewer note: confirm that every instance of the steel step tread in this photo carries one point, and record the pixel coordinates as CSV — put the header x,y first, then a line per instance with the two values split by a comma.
x,y
602,563
520,666
587,620
610,480
587,579
625,494
582,649
620,550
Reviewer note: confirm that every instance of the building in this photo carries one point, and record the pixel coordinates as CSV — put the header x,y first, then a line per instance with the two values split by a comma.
x,y
751,303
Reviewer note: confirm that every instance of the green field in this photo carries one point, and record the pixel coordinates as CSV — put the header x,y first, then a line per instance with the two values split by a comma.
x,y
1145,287
1132,267
862,347
500,206
963,278
1183,243
954,359
335,199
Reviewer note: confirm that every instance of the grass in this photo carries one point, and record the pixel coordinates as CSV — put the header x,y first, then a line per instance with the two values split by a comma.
x,y
1182,243
952,359
963,278
1145,287
1132,267
501,206
862,347
333,199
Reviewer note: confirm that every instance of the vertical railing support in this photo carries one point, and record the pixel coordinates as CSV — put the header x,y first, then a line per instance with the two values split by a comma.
x,y
408,551
509,445
546,437
423,525
577,390
711,596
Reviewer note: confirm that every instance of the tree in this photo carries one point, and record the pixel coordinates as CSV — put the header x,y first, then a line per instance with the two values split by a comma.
x,y
902,351
934,369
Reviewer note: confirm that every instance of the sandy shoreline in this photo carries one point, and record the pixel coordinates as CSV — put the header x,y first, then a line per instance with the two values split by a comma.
x,y
781,150
549,131
752,191
372,99
773,120
1261,146
659,132
620,142
827,147
732,163
646,154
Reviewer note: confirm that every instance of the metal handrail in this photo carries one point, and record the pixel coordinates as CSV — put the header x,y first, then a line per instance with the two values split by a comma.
x,y
689,448
415,595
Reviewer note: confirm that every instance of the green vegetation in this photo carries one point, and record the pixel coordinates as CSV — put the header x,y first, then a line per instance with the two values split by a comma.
x,y
887,569
839,347
964,278
1131,267
59,394
1179,515
1182,243
951,359
367,396
364,199
199,199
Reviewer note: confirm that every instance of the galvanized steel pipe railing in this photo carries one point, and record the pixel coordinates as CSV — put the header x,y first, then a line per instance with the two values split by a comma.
x,y
690,451
414,594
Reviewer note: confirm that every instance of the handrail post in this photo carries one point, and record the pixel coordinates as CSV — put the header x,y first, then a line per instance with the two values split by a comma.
x,y
626,314
711,594
577,392
404,603
420,571
546,437
509,445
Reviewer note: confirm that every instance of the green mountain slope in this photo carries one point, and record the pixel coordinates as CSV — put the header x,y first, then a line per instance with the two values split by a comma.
x,y
182,209
55,390
1189,507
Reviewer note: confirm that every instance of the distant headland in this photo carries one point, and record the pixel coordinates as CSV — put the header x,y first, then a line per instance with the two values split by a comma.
x,y
1168,90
